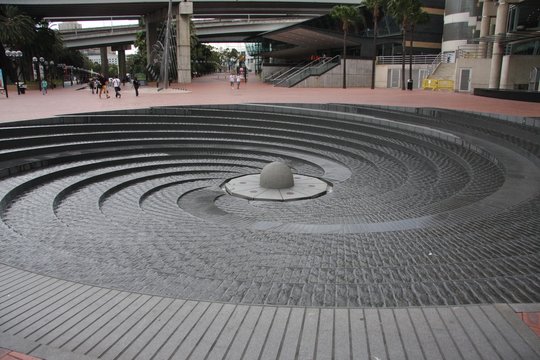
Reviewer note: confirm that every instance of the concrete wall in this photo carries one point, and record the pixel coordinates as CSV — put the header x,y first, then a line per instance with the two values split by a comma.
x,y
516,70
358,75
480,69
383,71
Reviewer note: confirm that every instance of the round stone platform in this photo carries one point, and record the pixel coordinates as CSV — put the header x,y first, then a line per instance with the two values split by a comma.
x,y
248,187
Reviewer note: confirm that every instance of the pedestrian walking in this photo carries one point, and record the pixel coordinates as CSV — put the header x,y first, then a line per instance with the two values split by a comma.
x,y
97,85
103,89
44,86
116,85
231,80
92,84
238,79
136,85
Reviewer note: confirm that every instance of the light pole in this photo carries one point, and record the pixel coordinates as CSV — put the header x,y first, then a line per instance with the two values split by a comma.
x,y
15,56
52,71
35,62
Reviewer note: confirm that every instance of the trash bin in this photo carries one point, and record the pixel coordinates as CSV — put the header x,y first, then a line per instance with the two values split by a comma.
x,y
409,84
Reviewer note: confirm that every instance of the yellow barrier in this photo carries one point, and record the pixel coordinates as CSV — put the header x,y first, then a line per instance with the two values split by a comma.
x,y
435,84
445,85
429,84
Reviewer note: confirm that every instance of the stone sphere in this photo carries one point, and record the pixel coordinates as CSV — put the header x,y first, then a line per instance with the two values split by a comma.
x,y
276,175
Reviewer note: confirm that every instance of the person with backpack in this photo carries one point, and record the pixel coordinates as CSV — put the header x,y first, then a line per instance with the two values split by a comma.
x,y
44,85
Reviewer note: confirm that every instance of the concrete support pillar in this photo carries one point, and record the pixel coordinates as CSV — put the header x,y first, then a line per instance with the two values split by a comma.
x,y
151,39
121,58
104,61
183,51
484,26
498,48
121,63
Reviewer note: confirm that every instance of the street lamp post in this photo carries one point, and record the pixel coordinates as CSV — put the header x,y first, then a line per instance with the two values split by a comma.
x,y
15,56
52,72
35,61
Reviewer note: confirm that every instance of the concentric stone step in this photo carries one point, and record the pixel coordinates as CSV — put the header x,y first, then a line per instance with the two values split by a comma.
x,y
427,208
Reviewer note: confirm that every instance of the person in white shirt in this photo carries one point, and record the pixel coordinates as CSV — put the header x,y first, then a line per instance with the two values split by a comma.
x,y
116,85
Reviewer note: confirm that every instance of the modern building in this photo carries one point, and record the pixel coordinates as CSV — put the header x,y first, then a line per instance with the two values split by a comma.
x,y
467,44
95,55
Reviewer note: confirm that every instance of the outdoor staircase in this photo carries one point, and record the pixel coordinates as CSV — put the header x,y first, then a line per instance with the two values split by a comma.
x,y
444,71
314,68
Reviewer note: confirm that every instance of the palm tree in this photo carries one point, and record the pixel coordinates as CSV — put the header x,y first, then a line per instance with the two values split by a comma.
x,y
402,11
16,30
347,15
375,6
419,17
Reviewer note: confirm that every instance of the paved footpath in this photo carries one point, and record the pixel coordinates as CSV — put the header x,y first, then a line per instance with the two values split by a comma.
x,y
50,318
215,89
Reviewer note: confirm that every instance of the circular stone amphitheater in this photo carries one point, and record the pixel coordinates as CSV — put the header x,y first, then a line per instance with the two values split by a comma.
x,y
427,206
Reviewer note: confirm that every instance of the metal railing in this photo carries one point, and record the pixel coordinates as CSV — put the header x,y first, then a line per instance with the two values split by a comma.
x,y
396,60
314,68
474,51
434,64
289,72
273,76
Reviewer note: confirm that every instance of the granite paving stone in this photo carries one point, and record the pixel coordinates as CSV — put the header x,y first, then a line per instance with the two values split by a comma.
x,y
118,230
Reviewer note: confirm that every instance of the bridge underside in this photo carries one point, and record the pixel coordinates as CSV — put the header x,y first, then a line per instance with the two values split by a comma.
x,y
222,9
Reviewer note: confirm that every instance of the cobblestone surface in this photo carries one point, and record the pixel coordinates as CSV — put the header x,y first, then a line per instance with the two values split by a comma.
x,y
416,217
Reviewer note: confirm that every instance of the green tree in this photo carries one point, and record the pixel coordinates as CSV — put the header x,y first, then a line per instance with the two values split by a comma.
x,y
348,16
403,11
96,67
375,6
16,31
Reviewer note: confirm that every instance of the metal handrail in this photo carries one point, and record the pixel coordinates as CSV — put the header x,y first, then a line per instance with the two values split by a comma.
x,y
474,51
317,68
416,59
293,72
434,64
274,75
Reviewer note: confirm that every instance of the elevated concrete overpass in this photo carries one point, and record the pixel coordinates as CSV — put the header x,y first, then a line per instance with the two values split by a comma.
x,y
154,11
76,9
207,31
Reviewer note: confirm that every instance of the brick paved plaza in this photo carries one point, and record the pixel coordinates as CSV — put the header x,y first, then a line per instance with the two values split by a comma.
x,y
118,241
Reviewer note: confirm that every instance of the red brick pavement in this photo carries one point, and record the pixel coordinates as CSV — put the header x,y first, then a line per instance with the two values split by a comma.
x,y
532,319
214,89
6,354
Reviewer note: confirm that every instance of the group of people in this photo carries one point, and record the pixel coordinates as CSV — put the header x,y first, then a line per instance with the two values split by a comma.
x,y
237,78
100,85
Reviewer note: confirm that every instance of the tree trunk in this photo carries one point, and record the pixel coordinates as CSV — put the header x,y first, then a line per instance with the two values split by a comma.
x,y
411,53
404,50
374,52
345,59
7,66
